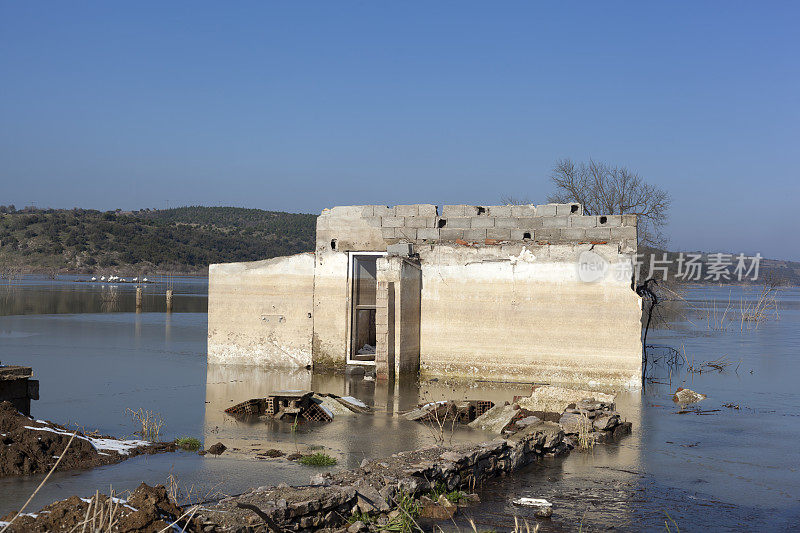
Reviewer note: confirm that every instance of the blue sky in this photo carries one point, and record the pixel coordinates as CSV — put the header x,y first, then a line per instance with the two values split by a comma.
x,y
301,105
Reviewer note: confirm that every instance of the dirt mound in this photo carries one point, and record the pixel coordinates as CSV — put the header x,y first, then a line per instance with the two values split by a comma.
x,y
33,446
148,509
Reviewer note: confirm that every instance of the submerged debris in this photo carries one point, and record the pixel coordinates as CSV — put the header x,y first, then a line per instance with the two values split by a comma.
x,y
462,411
687,396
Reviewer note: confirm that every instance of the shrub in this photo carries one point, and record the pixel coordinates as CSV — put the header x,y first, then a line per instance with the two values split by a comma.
x,y
317,459
188,443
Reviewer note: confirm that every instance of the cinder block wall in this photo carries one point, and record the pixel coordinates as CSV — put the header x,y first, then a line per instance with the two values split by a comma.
x,y
372,227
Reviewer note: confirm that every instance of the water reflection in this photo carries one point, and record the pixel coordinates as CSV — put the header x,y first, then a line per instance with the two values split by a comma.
x,y
350,437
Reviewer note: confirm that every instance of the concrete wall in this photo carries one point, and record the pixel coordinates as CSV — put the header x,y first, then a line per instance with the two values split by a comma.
x,y
521,312
260,312
398,316
500,295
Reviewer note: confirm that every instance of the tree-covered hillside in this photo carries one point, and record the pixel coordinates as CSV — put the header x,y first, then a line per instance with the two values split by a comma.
x,y
184,239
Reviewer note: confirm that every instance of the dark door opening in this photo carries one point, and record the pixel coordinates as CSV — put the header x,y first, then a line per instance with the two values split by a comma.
x,y
365,284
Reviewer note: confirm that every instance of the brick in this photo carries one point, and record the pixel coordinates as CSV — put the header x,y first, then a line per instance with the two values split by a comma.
x,y
453,210
406,210
451,234
573,234
393,222
523,211
609,221
554,222
519,234
624,232
457,223
474,235
368,211
499,211
506,223
481,222
628,220
431,234
375,222
382,211
502,234
530,223
546,210
548,234
598,234
406,233
388,233
428,210
420,222
568,209
582,222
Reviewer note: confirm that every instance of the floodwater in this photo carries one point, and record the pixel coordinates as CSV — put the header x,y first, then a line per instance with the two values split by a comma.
x,y
725,469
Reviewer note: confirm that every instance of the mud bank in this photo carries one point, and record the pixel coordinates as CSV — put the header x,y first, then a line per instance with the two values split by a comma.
x,y
148,509
32,447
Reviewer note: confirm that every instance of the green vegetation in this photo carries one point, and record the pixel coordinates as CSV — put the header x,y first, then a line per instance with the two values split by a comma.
x,y
317,459
409,509
441,490
184,239
359,517
188,443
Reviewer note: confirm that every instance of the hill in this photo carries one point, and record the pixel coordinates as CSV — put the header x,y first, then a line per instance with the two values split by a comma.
x,y
184,239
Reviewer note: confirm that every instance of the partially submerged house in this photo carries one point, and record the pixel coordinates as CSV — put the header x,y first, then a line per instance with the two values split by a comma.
x,y
532,292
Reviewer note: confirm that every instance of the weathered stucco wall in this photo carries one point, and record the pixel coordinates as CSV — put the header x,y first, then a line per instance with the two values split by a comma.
x,y
500,295
260,312
521,312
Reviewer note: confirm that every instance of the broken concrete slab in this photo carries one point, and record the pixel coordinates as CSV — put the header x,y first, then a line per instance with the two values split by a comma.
x,y
550,398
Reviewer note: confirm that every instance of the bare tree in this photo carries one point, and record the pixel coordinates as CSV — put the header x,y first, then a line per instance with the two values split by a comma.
x,y
514,200
605,189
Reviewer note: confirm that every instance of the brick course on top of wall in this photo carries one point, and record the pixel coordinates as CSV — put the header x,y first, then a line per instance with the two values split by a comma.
x,y
550,223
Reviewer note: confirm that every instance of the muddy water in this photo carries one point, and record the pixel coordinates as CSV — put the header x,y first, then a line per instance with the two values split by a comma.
x,y
729,469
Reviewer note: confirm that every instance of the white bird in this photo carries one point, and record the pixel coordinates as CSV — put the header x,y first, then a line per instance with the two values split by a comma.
x,y
94,278
144,279
102,278
135,279
123,280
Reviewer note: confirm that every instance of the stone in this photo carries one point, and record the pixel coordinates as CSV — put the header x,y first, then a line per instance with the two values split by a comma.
x,y
687,396
357,527
571,422
544,512
605,421
217,449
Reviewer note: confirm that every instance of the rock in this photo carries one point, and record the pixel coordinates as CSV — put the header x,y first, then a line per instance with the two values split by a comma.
x,y
370,500
606,421
444,502
528,421
571,422
543,512
437,512
357,527
471,498
320,480
687,396
217,449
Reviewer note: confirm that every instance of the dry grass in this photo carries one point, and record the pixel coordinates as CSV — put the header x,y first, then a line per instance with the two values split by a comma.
x,y
151,423
586,440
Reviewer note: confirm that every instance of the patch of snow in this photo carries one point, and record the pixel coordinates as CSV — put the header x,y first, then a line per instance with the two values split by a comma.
x,y
122,447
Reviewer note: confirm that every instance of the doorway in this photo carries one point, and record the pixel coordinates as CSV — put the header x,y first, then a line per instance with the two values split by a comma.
x,y
364,282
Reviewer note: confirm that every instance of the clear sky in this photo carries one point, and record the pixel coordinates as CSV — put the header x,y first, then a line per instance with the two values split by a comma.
x,y
296,106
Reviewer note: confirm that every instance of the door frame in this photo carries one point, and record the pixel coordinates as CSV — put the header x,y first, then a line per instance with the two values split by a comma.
x,y
350,303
